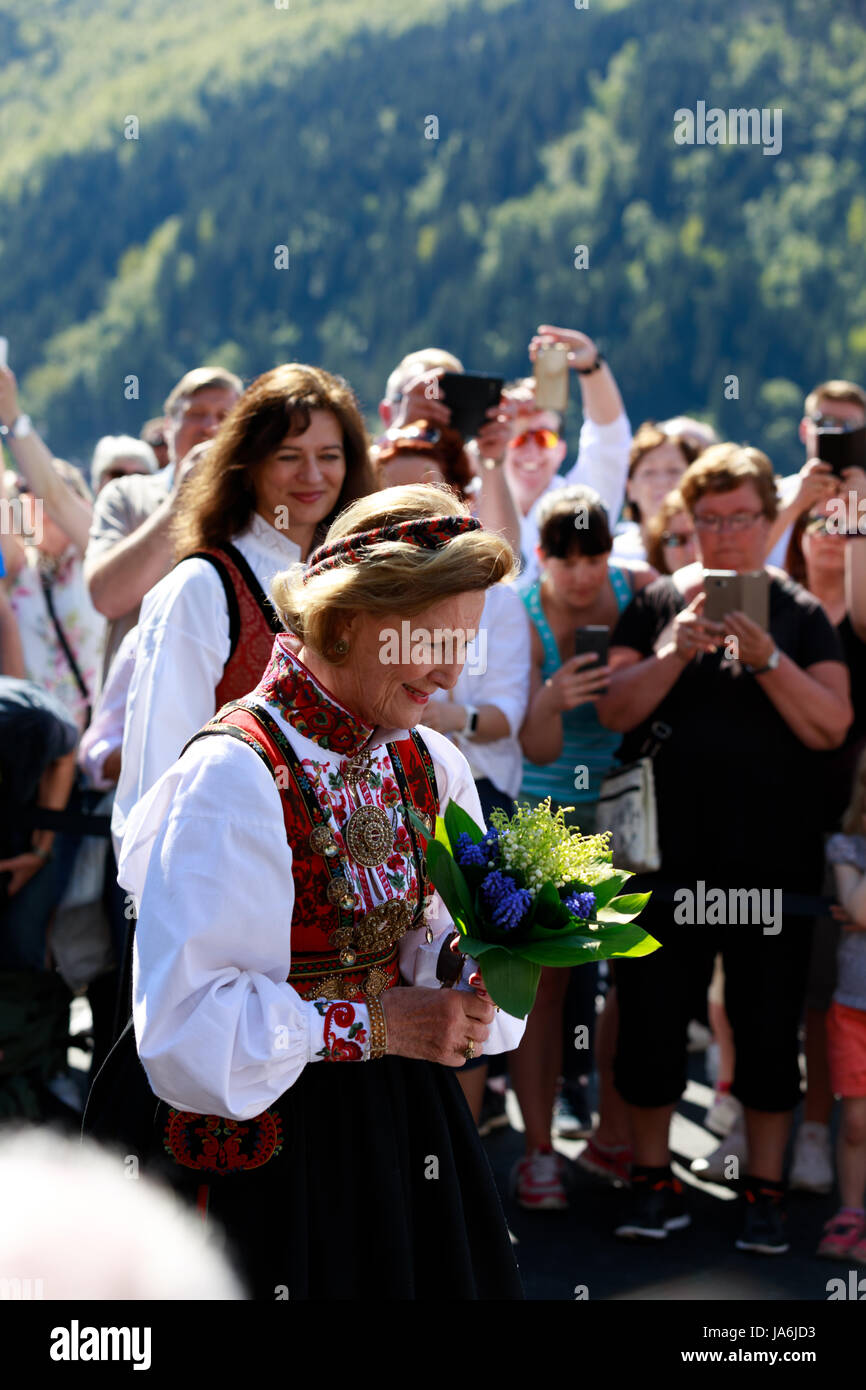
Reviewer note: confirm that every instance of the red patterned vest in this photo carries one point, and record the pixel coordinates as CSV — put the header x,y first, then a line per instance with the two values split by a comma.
x,y
253,623
317,970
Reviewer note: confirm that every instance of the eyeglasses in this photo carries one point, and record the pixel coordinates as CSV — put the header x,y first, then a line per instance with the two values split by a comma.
x,y
402,432
832,422
740,521
673,539
545,439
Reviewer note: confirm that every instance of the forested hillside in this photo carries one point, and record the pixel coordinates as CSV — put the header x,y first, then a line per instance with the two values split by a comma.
x,y
259,127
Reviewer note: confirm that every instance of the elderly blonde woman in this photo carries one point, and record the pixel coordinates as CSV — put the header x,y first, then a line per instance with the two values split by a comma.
x,y
282,898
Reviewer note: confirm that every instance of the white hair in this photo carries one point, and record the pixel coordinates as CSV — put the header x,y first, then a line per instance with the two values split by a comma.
x,y
112,447
80,1223
702,434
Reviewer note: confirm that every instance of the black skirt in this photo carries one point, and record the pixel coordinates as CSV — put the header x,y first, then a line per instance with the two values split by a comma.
x,y
364,1180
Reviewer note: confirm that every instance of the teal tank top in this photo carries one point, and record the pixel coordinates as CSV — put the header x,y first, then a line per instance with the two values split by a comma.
x,y
585,742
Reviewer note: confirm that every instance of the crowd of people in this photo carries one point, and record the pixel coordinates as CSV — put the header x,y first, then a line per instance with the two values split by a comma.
x,y
136,605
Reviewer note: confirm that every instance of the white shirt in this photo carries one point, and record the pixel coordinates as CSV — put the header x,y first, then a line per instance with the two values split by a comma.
x,y
183,646
496,673
105,733
219,1029
602,464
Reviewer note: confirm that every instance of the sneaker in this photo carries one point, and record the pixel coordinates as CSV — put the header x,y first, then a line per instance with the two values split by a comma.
x,y
842,1233
572,1118
657,1209
494,1114
764,1226
812,1164
537,1181
712,1168
612,1164
724,1113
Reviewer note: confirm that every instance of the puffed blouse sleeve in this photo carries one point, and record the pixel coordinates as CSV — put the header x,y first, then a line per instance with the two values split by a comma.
x,y
206,862
418,959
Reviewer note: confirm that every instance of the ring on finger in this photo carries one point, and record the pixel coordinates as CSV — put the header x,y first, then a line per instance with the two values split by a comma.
x,y
469,1049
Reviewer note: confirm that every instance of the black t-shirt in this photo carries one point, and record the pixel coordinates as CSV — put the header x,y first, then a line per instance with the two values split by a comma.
x,y
35,731
738,794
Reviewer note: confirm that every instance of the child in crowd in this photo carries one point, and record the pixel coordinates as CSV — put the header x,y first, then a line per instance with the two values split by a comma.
x,y
845,1234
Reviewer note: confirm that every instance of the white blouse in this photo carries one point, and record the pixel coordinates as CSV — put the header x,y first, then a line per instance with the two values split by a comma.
x,y
219,1028
183,646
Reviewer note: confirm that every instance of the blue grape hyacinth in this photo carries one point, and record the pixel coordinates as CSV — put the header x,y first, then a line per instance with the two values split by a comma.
x,y
506,903
480,854
581,905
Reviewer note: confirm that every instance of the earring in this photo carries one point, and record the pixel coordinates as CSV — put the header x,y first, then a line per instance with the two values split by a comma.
x,y
341,646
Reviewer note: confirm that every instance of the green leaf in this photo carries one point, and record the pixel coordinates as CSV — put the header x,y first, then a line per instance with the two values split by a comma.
x,y
458,821
474,946
609,887
623,908
511,981
630,941
439,833
450,884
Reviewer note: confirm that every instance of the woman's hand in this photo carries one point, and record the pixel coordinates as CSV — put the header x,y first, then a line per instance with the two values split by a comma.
x,y
693,633
579,681
754,645
435,1025
22,867
492,439
817,485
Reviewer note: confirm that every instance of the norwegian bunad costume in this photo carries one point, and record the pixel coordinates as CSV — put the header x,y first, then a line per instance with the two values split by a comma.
x,y
280,885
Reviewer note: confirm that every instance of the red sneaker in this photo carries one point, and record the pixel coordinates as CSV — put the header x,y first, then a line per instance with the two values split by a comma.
x,y
612,1164
537,1181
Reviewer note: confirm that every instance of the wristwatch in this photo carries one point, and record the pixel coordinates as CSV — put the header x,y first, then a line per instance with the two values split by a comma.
x,y
772,663
468,730
587,371
20,429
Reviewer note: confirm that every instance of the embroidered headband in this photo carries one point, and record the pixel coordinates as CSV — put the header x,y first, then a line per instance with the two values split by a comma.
x,y
429,533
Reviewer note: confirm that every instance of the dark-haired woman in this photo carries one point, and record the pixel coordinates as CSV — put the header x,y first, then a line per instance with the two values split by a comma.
x,y
290,456
566,754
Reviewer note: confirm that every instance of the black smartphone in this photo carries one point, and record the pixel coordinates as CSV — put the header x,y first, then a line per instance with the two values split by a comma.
x,y
727,591
842,448
593,639
469,398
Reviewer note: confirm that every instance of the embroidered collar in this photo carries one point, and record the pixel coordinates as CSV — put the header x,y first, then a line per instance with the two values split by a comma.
x,y
309,707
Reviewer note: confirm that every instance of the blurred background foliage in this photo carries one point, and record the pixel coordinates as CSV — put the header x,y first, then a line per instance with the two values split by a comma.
x,y
305,127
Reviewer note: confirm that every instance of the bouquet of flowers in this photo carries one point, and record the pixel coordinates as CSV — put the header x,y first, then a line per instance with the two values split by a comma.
x,y
530,892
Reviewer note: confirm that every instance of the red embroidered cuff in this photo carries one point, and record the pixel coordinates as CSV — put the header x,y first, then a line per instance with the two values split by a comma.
x,y
345,1033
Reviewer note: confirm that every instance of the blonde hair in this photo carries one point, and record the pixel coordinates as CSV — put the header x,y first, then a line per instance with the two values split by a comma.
x,y
724,468
393,576
836,390
416,364
852,821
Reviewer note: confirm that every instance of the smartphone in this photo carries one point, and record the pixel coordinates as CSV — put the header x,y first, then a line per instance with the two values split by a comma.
x,y
4,352
748,593
843,448
469,398
551,377
593,639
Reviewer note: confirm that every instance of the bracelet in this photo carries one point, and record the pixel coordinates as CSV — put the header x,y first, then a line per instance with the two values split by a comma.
x,y
587,371
44,854
378,1031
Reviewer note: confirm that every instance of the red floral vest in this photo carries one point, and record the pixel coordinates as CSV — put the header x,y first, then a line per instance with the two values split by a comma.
x,y
253,623
316,971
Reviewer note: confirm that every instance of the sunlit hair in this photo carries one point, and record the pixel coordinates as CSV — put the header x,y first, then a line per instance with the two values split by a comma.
x,y
647,437
573,521
219,499
852,821
200,379
447,452
416,364
394,577
699,434
112,447
673,505
845,391
724,468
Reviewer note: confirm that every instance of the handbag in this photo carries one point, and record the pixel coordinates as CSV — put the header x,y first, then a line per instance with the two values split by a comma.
x,y
627,807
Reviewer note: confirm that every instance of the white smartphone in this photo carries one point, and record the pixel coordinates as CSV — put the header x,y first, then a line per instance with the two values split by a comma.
x,y
4,352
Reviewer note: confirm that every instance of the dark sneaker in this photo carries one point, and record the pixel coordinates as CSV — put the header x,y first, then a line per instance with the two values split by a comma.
x,y
764,1227
657,1208
493,1111
572,1117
